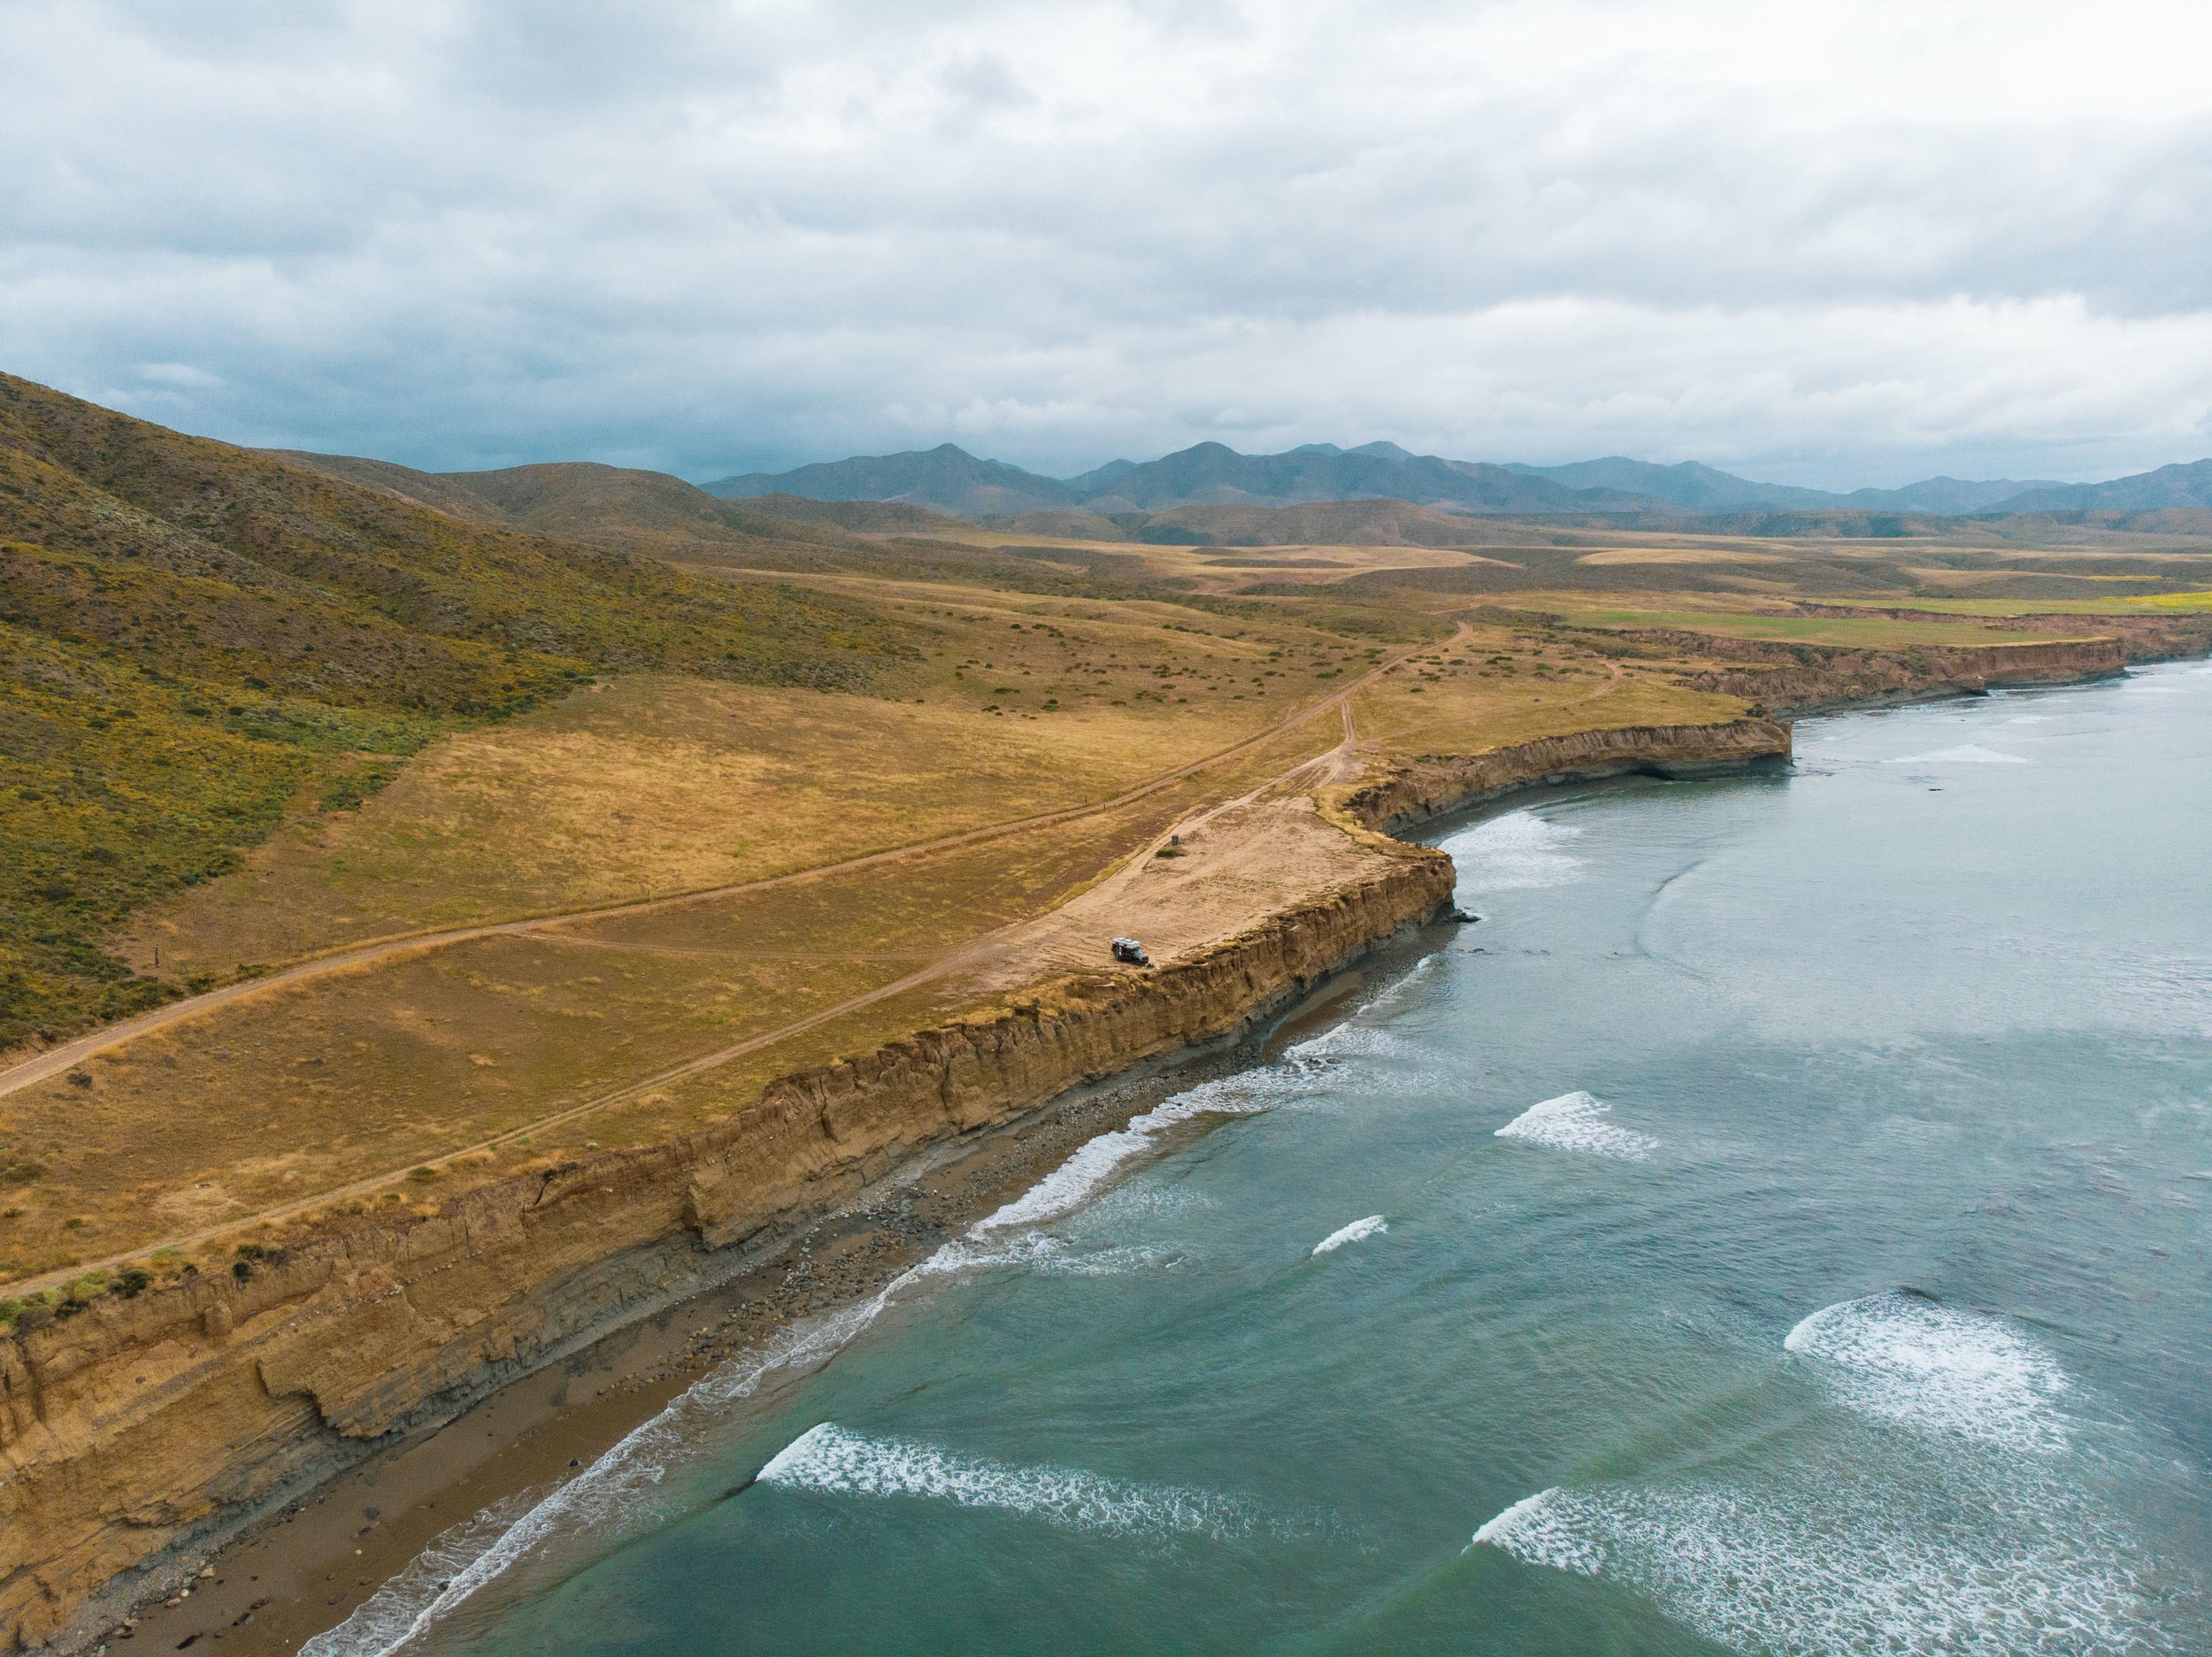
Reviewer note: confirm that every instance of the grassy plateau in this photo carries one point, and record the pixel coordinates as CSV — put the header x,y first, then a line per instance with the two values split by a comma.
x,y
736,789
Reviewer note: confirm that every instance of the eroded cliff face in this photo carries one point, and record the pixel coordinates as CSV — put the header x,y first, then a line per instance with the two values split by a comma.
x,y
1413,791
1790,679
137,1434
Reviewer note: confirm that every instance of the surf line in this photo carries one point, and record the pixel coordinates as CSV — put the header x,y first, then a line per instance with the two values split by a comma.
x,y
606,1493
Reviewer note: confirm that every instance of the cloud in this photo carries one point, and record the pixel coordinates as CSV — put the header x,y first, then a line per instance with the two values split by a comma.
x,y
1838,243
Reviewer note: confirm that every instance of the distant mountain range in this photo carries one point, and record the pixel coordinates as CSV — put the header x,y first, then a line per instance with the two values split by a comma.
x,y
947,478
2146,491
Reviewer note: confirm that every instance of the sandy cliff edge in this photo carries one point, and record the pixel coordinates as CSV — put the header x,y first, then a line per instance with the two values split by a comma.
x,y
139,1434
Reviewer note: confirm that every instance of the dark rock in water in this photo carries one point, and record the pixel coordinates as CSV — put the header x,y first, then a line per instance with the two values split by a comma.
x,y
1463,916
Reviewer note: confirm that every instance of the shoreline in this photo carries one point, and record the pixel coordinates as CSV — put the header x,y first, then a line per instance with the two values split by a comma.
x,y
273,1381
303,1571
300,1562
1335,998
1957,693
296,1574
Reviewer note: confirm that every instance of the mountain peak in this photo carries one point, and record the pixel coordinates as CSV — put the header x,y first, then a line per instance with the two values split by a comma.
x,y
949,478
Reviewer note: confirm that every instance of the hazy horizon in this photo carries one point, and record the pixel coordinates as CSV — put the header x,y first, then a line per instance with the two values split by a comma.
x,y
1843,246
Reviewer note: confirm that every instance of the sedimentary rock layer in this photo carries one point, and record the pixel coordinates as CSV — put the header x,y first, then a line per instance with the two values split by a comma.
x,y
1412,791
1793,680
138,1432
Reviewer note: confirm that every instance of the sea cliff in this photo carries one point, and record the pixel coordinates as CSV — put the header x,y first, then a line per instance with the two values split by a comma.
x,y
139,1433
1794,680
1411,792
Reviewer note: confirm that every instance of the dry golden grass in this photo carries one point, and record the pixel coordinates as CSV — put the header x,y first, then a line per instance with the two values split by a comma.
x,y
1082,676
308,1089
655,785
1223,568
1227,568
1021,703
1680,554
1498,687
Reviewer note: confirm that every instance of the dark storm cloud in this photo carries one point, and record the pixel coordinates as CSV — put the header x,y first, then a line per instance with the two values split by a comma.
x,y
1843,243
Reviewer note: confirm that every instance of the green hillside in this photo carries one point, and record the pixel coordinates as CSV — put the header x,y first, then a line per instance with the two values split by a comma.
x,y
196,639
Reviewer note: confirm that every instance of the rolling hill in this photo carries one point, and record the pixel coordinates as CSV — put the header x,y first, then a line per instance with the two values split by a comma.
x,y
947,478
198,640
2185,486
619,507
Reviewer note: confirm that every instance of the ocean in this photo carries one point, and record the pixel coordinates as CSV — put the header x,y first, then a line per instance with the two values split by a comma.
x,y
1779,1226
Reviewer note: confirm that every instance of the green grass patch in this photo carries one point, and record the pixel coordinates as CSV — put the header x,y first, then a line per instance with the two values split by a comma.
x,y
197,641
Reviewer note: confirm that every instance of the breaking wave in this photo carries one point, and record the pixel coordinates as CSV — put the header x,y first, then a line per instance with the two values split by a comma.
x,y
610,1498
395,1612
1905,1358
1041,1251
1954,1545
1097,1160
1517,852
831,1460
1965,753
1577,1121
1372,1226
1820,1561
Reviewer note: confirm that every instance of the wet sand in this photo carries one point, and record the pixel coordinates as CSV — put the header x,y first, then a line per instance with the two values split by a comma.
x,y
305,1569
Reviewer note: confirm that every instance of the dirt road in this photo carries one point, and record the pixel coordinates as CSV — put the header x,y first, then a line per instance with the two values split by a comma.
x,y
41,1066
1243,857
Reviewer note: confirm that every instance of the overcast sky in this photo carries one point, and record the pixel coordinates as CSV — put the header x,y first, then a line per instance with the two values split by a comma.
x,y
1825,243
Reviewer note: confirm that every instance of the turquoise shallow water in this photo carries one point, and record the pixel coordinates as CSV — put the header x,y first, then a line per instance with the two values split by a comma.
x,y
1779,1227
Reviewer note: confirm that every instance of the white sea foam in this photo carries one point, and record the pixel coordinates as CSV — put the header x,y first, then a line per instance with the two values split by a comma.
x,y
1523,1519
1374,1225
1965,753
1823,1559
1947,1540
1577,1121
1907,1358
1097,1160
1340,1042
608,1498
1516,852
1040,1252
832,1461
1129,1208
393,1614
